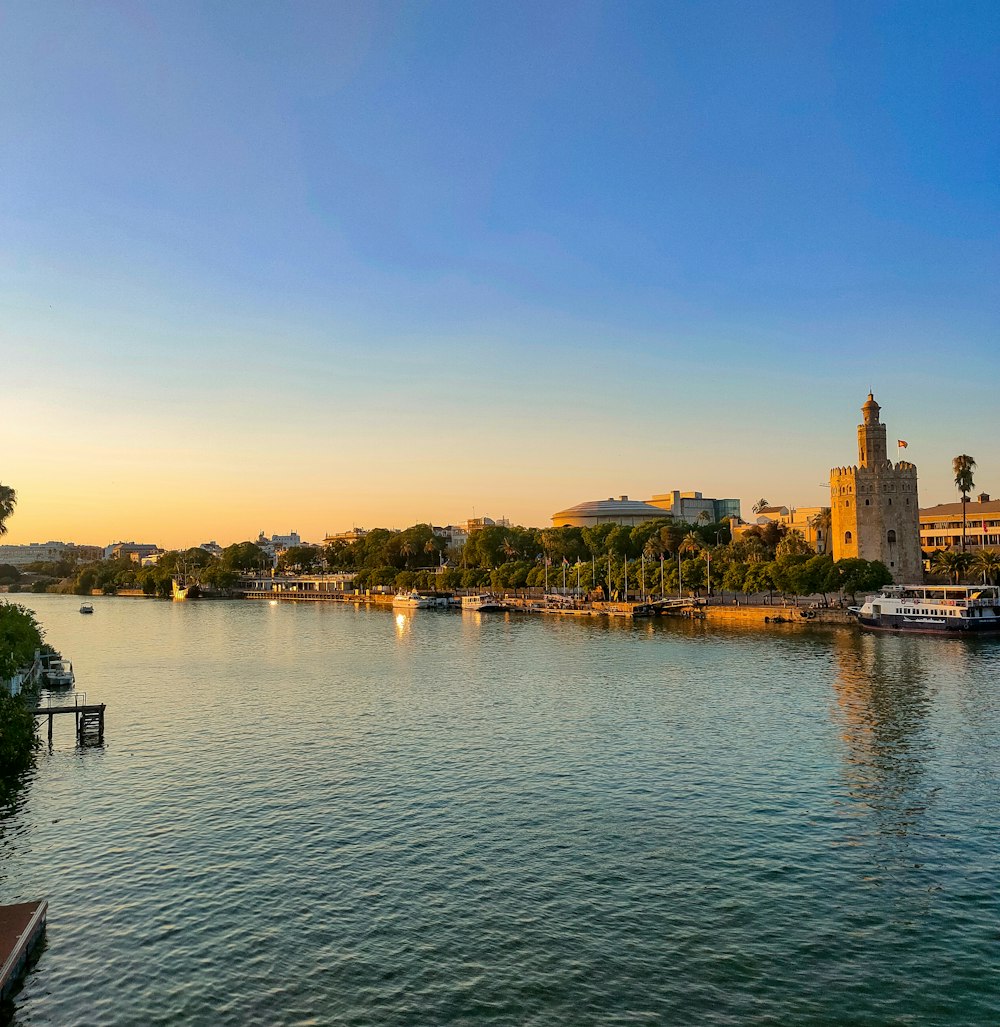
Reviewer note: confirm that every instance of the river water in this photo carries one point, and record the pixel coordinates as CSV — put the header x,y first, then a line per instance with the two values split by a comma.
x,y
322,815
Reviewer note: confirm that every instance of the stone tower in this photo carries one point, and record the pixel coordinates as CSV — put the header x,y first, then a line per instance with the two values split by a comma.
x,y
873,506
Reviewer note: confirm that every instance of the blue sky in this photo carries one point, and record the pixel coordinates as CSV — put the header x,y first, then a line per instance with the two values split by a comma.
x,y
313,265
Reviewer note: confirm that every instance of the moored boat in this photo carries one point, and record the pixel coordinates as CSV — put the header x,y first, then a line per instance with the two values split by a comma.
x,y
935,609
413,601
58,674
482,603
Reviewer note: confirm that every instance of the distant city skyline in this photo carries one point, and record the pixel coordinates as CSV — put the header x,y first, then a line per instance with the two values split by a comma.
x,y
305,267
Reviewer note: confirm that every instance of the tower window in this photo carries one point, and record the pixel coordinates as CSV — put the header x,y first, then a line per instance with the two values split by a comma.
x,y
891,537
847,538
868,502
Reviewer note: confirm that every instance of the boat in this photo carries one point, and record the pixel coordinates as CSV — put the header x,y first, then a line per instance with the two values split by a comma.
x,y
86,608
413,601
183,589
937,609
482,603
58,674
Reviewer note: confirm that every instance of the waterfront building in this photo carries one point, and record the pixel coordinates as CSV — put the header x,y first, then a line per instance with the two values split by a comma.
x,y
454,534
48,552
133,551
623,510
811,522
874,511
691,507
345,537
941,525
477,523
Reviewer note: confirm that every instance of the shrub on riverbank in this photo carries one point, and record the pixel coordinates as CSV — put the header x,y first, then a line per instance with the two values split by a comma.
x,y
20,637
18,740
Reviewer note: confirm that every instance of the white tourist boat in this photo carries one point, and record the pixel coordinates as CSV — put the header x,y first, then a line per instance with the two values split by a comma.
x,y
86,608
413,601
939,609
482,603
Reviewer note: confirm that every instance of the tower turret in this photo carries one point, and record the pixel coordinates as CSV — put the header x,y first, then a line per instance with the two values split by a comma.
x,y
871,436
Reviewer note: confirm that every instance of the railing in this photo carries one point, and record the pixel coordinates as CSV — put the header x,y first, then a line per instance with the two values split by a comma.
x,y
62,701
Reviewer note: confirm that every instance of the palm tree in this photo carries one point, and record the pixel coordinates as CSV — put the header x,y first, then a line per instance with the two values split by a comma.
x,y
406,550
963,466
987,563
760,505
509,549
952,563
8,500
692,543
822,525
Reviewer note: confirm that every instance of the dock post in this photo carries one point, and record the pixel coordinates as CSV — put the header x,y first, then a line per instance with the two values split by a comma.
x,y
100,727
50,729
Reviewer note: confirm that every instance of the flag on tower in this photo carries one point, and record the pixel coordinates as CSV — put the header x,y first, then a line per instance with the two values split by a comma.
x,y
901,444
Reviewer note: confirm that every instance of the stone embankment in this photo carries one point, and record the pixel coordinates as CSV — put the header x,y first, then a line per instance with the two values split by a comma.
x,y
775,615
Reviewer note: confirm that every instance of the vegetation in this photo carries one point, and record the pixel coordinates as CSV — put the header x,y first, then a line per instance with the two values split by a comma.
x,y
963,466
20,637
216,572
8,500
661,557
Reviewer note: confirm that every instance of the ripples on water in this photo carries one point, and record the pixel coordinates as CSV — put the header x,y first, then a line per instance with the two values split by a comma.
x,y
319,815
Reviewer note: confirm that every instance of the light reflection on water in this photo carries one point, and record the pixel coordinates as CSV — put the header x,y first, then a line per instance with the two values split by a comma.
x,y
323,814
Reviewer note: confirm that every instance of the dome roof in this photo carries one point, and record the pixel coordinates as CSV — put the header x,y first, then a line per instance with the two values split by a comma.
x,y
870,409
613,508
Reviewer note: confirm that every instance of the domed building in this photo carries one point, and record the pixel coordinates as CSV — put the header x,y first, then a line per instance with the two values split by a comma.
x,y
623,510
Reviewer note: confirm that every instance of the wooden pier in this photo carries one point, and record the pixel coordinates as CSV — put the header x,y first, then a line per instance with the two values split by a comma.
x,y
21,928
89,719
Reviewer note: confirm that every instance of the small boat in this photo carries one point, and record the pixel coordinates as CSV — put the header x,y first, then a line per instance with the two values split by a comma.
x,y
482,603
87,608
413,601
58,674
937,609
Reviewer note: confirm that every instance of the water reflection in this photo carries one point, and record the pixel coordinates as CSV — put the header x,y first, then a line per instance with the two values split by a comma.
x,y
882,708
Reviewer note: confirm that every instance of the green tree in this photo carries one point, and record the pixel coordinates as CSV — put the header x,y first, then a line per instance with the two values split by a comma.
x,y
963,466
20,636
952,563
793,544
244,556
987,563
8,500
855,575
301,559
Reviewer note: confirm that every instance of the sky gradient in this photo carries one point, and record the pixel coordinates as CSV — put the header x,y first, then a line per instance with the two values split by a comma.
x,y
308,266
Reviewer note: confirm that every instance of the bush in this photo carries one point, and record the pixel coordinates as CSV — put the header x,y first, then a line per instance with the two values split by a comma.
x,y
17,735
20,636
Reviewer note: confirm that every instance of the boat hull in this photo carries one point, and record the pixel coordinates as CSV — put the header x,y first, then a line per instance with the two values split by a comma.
x,y
951,626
